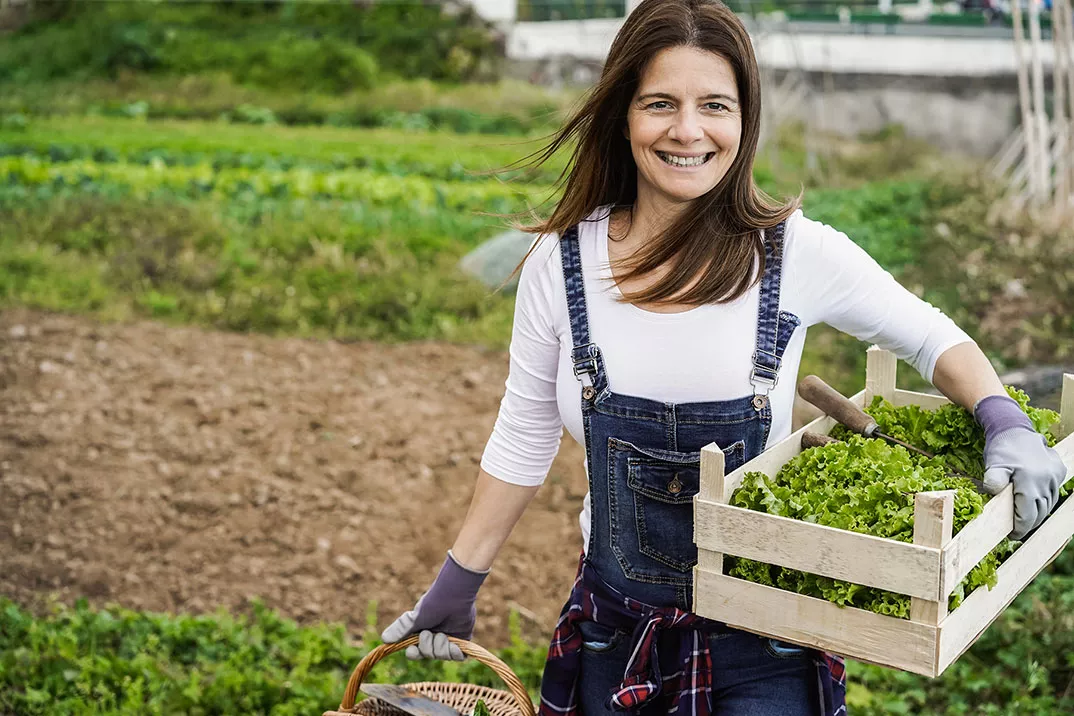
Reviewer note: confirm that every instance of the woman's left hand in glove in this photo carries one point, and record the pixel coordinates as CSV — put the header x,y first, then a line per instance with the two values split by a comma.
x,y
1016,453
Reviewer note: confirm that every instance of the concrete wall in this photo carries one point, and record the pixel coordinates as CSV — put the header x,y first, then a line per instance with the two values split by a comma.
x,y
973,116
959,93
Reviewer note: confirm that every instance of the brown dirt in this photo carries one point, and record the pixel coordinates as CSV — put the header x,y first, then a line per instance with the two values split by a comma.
x,y
179,469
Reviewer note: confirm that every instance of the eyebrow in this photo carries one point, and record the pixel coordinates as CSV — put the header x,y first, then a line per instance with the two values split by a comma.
x,y
665,95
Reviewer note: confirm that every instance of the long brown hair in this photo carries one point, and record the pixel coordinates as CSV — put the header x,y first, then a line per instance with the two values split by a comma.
x,y
720,236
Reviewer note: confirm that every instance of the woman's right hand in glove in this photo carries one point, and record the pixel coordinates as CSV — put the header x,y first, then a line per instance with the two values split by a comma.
x,y
446,609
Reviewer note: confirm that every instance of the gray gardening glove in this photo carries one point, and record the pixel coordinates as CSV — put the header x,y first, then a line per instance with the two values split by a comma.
x,y
446,609
1015,452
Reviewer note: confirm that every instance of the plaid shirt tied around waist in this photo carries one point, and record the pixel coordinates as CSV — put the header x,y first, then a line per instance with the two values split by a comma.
x,y
687,691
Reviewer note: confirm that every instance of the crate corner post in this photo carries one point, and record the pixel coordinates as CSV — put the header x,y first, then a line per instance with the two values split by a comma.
x,y
712,488
934,517
880,368
1066,408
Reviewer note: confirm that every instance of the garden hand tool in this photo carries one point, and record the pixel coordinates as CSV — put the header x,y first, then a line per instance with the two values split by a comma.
x,y
408,700
814,390
1015,452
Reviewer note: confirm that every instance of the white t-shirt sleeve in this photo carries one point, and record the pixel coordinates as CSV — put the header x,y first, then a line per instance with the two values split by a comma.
x,y
835,281
528,429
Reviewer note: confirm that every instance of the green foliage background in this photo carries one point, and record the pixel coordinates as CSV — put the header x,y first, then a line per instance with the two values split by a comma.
x,y
229,217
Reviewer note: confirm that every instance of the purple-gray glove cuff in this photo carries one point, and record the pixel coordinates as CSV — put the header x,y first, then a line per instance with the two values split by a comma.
x,y
999,413
455,583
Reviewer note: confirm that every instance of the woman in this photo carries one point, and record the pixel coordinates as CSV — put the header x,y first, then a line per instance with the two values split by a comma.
x,y
660,320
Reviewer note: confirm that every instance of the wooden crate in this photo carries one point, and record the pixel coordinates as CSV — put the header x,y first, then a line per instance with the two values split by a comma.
x,y
927,570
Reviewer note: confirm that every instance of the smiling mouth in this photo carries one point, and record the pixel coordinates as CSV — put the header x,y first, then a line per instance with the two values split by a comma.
x,y
677,161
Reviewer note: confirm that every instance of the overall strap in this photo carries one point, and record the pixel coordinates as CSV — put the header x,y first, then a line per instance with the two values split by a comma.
x,y
766,362
588,366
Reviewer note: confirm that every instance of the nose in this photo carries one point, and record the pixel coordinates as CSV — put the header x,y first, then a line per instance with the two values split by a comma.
x,y
686,129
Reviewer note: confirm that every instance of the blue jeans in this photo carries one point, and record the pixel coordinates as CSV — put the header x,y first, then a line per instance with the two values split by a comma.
x,y
752,675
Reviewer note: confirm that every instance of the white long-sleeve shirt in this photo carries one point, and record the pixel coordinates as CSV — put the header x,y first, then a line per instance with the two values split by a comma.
x,y
702,354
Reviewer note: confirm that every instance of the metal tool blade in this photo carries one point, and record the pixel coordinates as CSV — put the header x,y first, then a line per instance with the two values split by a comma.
x,y
908,446
408,700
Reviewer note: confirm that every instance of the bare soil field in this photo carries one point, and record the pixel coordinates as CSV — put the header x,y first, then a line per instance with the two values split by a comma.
x,y
178,469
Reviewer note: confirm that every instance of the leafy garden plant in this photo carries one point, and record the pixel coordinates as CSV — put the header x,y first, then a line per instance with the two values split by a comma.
x,y
867,486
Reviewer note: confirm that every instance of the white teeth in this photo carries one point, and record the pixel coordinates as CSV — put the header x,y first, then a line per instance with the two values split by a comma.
x,y
683,161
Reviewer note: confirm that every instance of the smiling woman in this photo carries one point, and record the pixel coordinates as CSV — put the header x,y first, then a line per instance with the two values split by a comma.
x,y
684,126
672,122
654,319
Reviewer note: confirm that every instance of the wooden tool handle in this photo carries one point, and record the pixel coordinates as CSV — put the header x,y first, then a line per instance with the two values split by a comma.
x,y
811,439
828,399
486,657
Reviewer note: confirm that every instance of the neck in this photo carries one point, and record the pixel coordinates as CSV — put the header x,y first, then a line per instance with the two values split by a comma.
x,y
652,215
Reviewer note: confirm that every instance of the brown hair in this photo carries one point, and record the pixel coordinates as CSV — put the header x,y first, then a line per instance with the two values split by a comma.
x,y
721,235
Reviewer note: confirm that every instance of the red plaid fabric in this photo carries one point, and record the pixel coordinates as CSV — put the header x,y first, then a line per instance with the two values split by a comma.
x,y
687,691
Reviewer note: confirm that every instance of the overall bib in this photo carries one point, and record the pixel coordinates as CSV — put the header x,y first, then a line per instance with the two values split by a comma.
x,y
643,464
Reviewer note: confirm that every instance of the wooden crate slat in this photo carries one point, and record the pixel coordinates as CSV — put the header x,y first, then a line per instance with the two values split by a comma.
x,y
909,397
978,538
816,622
880,369
984,605
873,561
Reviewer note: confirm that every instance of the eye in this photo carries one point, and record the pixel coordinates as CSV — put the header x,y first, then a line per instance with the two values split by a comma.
x,y
664,105
716,106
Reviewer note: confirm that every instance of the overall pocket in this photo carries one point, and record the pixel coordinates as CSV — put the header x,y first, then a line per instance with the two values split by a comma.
x,y
652,496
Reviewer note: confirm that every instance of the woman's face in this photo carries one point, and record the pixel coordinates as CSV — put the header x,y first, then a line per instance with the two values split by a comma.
x,y
684,125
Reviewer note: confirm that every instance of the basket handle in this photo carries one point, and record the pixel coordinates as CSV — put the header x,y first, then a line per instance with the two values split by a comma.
x,y
486,657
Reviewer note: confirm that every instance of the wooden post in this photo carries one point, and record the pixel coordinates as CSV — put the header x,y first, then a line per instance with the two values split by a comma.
x,y
1068,38
713,487
934,521
1024,100
1067,31
1059,72
1040,114
880,368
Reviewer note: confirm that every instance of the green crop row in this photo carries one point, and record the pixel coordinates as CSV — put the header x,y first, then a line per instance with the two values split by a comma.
x,y
220,160
297,183
434,154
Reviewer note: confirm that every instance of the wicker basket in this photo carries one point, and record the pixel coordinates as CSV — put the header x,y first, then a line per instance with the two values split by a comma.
x,y
462,697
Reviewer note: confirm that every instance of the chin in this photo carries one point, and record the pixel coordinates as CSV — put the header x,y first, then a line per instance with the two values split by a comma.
x,y
682,195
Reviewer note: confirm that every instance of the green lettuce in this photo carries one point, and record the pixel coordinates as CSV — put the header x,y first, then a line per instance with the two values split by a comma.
x,y
868,486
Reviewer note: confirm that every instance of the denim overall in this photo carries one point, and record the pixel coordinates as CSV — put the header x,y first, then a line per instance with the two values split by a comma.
x,y
643,462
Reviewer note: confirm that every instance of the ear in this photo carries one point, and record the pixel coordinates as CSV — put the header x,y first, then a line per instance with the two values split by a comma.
x,y
626,131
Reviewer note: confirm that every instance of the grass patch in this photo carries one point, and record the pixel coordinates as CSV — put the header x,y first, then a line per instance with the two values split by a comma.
x,y
503,107
344,273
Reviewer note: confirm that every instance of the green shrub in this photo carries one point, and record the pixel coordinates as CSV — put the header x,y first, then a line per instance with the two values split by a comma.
x,y
326,47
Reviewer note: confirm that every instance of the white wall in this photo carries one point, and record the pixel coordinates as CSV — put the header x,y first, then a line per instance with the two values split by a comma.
x,y
496,10
869,54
